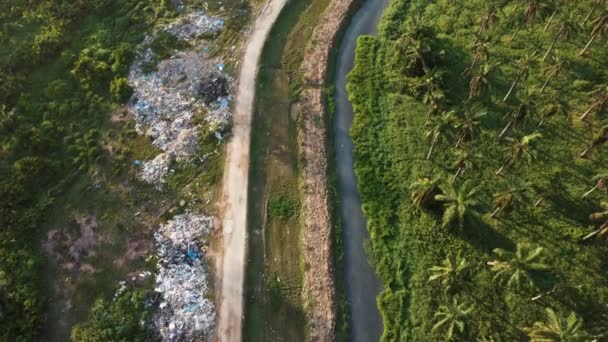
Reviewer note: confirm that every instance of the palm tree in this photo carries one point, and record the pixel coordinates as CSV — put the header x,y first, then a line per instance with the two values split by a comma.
x,y
515,269
599,98
600,28
556,329
516,117
550,19
480,79
468,124
520,149
600,219
554,107
599,139
511,197
596,4
481,51
488,17
433,99
440,127
601,184
558,67
524,65
458,203
567,28
424,190
530,14
465,160
452,317
451,272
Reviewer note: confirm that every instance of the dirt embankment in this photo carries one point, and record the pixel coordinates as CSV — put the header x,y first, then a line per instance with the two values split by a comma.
x,y
319,290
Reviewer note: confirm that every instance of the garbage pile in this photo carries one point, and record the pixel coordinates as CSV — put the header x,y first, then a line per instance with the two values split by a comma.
x,y
195,25
185,311
165,101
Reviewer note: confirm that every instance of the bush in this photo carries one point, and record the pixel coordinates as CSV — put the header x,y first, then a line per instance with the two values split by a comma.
x,y
120,90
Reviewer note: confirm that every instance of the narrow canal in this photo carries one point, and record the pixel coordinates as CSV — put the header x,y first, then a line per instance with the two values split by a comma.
x,y
362,285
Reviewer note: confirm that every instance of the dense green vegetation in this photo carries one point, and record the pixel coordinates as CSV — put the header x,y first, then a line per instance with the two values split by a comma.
x,y
125,318
479,133
62,63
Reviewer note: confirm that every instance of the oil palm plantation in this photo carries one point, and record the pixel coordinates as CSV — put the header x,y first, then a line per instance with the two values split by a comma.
x,y
512,197
557,67
520,149
601,184
424,191
514,269
600,28
458,203
523,64
600,138
451,273
558,329
452,319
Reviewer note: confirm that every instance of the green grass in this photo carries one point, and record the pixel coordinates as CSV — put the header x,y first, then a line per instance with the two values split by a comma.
x,y
390,153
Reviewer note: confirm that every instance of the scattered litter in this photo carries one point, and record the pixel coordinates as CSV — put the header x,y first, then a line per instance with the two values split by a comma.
x,y
220,66
185,312
155,170
137,163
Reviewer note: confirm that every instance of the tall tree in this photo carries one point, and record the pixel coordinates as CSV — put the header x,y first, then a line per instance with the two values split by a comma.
x,y
600,28
458,203
567,28
516,116
600,138
452,318
515,269
599,99
524,64
440,126
520,149
424,191
481,49
514,195
557,67
533,8
557,329
452,271
601,184
487,18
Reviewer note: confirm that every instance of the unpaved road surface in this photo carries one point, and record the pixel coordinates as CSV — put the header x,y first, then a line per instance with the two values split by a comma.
x,y
235,182
362,285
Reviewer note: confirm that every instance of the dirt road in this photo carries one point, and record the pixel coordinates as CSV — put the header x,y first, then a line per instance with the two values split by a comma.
x,y
235,182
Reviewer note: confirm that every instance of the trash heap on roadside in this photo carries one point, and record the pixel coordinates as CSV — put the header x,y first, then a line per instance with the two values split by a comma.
x,y
165,101
185,312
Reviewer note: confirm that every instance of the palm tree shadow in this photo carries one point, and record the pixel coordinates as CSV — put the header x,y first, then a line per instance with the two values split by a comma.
x,y
483,238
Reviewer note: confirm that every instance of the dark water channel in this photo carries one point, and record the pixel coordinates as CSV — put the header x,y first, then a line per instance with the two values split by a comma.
x,y
362,285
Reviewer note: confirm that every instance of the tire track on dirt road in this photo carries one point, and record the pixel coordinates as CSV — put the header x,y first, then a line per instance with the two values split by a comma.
x,y
235,182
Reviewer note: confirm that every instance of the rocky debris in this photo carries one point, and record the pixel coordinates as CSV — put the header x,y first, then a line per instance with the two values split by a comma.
x,y
195,25
185,311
